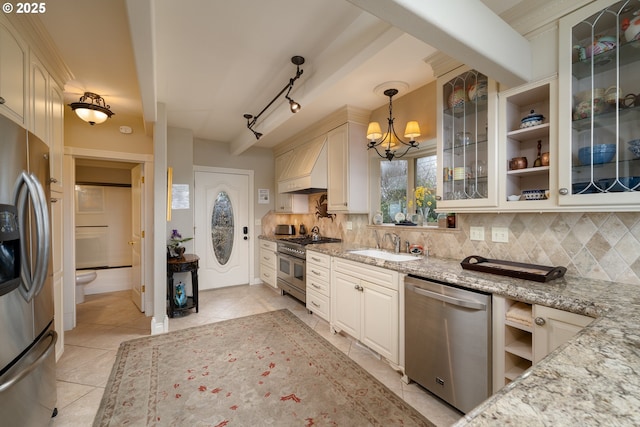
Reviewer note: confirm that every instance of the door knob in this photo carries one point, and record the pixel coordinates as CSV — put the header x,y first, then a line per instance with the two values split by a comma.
x,y
540,321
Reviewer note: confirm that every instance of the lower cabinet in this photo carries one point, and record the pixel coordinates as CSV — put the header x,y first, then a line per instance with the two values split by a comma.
x,y
268,262
364,304
523,334
318,276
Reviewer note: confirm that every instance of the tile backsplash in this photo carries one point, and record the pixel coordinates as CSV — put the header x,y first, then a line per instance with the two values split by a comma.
x,y
599,245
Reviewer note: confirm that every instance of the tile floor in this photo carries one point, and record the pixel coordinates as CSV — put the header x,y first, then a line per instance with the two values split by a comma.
x,y
105,320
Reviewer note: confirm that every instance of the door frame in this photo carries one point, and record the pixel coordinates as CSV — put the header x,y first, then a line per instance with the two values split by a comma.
x,y
69,277
253,241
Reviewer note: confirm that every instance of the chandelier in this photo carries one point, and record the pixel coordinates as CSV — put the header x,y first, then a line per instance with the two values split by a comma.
x,y
390,140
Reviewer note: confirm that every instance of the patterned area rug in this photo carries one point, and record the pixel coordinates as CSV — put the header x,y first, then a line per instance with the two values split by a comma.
x,y
266,369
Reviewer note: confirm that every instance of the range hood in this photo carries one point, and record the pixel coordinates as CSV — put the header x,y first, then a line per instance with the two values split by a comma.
x,y
305,171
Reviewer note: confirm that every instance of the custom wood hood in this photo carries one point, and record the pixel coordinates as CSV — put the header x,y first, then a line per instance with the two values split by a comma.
x,y
305,168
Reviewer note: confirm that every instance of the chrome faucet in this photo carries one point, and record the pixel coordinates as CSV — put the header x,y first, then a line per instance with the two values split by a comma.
x,y
395,239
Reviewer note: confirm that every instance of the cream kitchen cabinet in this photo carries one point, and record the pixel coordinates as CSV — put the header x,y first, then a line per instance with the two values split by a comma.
x,y
348,169
56,208
292,203
56,135
599,64
523,334
38,99
268,263
318,277
364,304
13,74
467,116
535,184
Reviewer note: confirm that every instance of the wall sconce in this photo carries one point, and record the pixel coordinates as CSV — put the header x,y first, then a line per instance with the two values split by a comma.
x,y
390,140
293,105
95,111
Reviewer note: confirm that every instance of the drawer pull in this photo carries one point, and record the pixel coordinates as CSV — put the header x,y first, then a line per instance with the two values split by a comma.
x,y
314,303
316,259
315,272
316,286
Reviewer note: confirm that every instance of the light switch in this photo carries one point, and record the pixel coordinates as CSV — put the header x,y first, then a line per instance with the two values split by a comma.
x,y
500,234
476,233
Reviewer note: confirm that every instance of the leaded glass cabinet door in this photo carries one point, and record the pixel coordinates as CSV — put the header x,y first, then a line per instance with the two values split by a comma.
x,y
467,116
600,106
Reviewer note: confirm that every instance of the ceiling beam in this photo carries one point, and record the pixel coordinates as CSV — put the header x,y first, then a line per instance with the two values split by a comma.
x,y
466,30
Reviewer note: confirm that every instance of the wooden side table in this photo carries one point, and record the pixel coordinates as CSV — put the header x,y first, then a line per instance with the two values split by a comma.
x,y
188,262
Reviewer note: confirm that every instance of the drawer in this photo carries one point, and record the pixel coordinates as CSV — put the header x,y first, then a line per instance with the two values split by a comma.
x,y
318,304
268,245
318,273
268,257
268,275
370,273
318,285
316,258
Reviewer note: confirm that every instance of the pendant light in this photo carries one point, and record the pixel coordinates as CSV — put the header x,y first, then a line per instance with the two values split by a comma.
x,y
390,140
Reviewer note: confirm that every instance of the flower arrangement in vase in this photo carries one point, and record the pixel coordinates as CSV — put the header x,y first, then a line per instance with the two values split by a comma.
x,y
174,244
425,202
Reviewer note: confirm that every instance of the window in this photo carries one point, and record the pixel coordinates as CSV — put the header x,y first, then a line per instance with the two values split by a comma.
x,y
399,180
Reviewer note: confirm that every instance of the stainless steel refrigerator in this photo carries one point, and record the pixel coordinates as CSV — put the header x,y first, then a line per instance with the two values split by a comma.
x,y
27,338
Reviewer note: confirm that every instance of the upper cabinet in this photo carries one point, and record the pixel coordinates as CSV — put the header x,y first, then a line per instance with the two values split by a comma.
x,y
599,120
13,74
527,145
467,122
348,169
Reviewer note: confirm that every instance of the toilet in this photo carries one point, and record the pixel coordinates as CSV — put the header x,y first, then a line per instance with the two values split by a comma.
x,y
83,277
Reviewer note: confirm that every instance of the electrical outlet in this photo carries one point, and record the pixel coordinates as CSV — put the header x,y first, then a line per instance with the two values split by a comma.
x,y
500,234
477,233
349,225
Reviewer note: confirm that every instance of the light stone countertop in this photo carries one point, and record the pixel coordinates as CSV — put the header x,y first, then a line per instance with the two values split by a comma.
x,y
592,380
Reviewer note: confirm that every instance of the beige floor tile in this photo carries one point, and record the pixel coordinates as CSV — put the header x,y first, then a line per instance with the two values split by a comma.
x,y
81,412
70,392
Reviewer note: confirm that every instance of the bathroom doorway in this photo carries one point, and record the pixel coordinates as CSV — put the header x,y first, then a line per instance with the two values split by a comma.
x,y
115,182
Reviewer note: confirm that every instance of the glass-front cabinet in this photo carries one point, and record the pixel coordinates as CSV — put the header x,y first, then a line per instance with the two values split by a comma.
x,y
467,120
599,105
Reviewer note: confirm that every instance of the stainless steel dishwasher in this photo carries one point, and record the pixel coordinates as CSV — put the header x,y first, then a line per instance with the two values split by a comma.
x,y
448,341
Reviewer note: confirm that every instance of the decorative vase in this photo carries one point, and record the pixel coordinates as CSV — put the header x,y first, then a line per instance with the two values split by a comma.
x,y
180,297
180,251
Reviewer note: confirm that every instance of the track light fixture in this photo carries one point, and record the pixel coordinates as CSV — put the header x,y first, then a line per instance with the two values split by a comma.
x,y
95,111
390,140
293,105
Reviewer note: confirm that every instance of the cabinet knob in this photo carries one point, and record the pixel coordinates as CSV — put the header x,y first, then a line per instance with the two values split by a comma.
x,y
438,197
54,200
563,191
2,101
540,321
53,180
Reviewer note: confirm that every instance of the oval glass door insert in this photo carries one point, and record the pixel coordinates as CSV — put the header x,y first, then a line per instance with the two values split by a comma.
x,y
222,229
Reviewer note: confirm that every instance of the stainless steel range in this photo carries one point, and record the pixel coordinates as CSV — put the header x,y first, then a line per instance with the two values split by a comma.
x,y
292,253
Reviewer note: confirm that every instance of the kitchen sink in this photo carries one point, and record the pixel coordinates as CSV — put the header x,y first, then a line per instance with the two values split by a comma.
x,y
387,256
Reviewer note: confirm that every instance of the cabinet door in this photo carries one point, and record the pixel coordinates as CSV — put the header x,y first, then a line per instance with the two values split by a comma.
x,y
553,328
345,304
292,203
599,64
337,166
380,320
39,80
56,136
13,60
467,122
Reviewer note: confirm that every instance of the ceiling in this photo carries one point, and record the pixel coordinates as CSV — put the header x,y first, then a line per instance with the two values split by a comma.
x,y
216,60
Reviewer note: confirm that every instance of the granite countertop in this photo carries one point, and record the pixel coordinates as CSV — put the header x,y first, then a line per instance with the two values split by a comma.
x,y
594,379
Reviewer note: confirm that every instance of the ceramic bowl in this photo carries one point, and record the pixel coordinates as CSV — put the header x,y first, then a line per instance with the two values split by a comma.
x,y
477,92
602,153
513,198
634,147
532,119
457,98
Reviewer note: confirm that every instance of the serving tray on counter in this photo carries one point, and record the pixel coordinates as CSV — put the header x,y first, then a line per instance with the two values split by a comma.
x,y
519,270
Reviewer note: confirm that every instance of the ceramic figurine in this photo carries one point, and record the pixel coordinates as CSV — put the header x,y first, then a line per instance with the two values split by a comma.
x,y
180,295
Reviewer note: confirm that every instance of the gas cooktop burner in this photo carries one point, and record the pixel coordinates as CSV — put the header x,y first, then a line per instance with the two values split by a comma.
x,y
308,240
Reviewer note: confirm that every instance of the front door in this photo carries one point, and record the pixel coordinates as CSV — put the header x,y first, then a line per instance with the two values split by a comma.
x,y
222,228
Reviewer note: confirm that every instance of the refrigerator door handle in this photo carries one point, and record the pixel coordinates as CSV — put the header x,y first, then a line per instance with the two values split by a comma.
x,y
27,187
22,372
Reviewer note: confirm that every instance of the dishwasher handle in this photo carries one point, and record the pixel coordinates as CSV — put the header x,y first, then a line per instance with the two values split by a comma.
x,y
444,298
